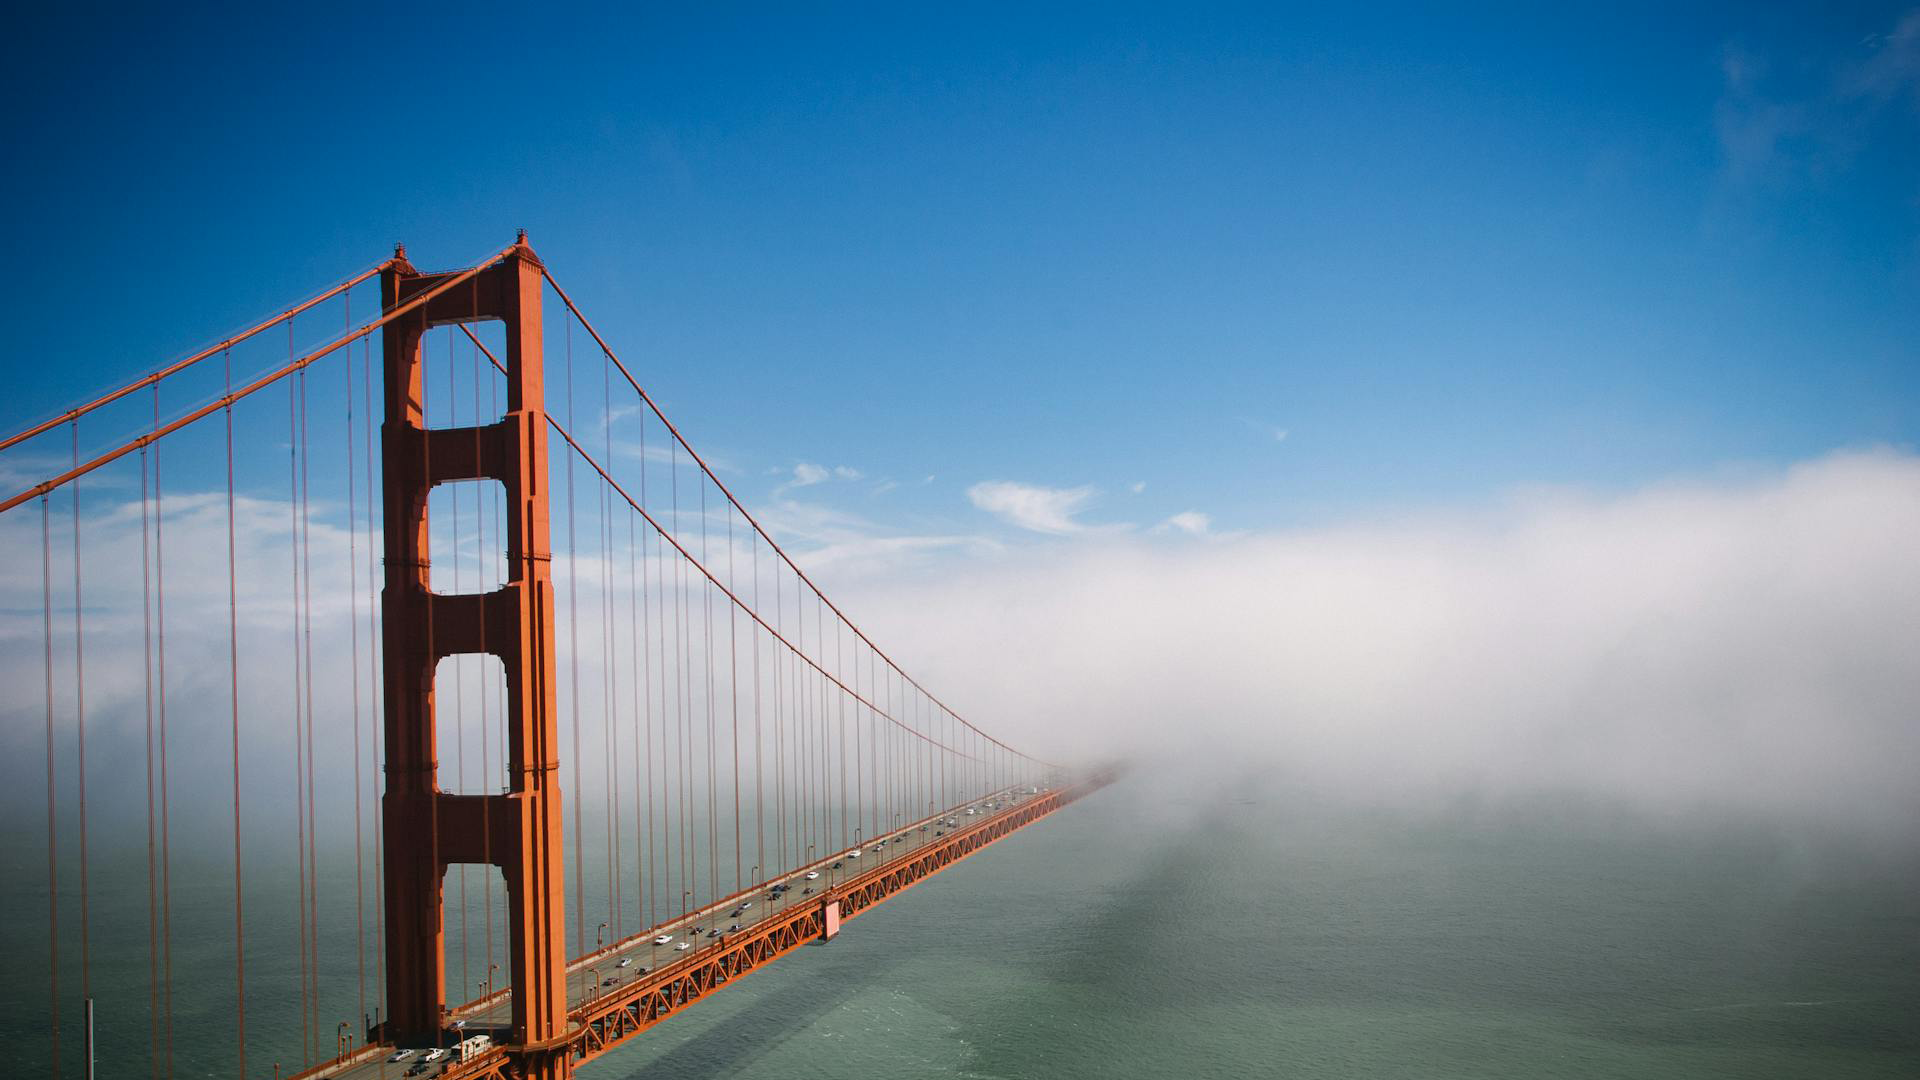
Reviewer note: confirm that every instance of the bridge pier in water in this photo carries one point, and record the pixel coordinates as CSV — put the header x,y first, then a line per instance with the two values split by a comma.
x,y
427,830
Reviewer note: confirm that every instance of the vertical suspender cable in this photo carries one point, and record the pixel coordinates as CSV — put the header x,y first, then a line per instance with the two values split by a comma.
x,y
299,746
153,870
733,699
634,589
706,655
233,670
665,831
610,685
353,625
306,630
779,727
160,649
680,698
646,622
759,782
53,857
80,726
863,718
573,660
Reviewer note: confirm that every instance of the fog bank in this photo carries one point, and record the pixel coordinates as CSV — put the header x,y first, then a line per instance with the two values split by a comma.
x,y
1745,646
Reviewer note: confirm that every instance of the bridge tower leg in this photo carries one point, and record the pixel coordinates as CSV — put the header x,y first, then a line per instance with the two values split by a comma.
x,y
426,830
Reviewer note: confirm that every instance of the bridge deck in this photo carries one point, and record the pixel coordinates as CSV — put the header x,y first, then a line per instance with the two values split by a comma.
x,y
661,979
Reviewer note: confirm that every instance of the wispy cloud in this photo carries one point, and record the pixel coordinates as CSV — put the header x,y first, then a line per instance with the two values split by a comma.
x,y
1779,120
1030,506
1191,522
826,539
1272,431
808,474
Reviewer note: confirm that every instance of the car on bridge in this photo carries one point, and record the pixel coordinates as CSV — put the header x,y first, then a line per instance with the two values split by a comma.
x,y
812,875
400,1055
663,939
435,1054
625,961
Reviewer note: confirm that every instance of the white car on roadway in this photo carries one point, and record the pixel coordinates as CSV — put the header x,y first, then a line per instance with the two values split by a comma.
x,y
813,875
683,946
854,854
625,961
435,1054
400,1055
663,939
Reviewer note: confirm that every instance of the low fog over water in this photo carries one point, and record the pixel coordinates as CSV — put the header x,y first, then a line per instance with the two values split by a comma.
x,y
1742,645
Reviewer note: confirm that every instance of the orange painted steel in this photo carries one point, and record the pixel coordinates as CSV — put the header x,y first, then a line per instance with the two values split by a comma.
x,y
425,829
612,1018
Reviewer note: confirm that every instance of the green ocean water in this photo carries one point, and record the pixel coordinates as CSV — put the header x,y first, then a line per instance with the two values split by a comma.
x,y
1251,930
1154,933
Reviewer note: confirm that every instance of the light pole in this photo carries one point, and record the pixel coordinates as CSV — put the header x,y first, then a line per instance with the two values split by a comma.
x,y
593,982
599,936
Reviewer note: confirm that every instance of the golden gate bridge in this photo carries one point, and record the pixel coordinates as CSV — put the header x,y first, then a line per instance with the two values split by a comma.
x,y
609,748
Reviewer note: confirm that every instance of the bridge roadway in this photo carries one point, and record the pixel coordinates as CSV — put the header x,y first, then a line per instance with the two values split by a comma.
x,y
588,976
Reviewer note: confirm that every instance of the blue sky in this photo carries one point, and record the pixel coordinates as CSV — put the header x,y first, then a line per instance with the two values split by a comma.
x,y
1080,248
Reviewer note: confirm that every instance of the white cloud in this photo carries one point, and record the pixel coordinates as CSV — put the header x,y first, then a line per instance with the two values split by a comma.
x,y
1191,522
1707,648
807,474
1137,486
1029,506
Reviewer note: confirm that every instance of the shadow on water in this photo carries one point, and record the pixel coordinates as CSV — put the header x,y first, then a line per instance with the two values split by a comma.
x,y
770,1020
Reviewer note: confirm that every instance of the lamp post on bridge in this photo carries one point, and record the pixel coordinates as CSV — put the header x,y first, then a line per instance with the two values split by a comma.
x,y
599,937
